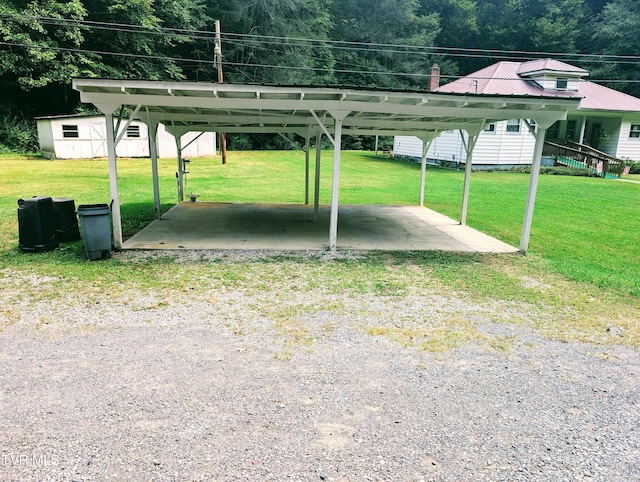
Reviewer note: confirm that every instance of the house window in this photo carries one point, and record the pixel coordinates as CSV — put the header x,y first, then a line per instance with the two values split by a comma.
x,y
133,131
490,127
513,125
635,130
70,131
561,84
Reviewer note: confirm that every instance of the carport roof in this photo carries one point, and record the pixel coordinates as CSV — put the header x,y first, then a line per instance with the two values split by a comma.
x,y
200,106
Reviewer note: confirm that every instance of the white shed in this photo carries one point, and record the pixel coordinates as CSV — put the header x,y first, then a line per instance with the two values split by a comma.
x,y
84,137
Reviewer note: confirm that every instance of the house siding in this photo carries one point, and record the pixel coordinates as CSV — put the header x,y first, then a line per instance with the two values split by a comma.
x,y
628,147
492,148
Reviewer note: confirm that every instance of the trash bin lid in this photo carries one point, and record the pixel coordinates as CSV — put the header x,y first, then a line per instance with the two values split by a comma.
x,y
93,209
34,199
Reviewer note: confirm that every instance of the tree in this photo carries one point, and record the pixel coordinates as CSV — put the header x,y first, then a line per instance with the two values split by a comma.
x,y
276,54
133,52
557,29
370,22
617,32
43,39
40,56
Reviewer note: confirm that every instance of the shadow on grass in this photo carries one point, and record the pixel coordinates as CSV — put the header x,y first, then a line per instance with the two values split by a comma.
x,y
137,216
414,163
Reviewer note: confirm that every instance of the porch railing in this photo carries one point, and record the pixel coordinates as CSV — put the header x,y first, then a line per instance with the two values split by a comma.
x,y
584,157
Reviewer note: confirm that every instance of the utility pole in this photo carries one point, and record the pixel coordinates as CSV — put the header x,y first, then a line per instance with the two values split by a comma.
x,y
217,51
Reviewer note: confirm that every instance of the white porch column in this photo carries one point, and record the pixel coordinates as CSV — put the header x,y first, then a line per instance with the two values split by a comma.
x,y
113,181
533,186
316,187
153,152
469,145
583,126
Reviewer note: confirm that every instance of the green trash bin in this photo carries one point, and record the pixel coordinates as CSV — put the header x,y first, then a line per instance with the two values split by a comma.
x,y
95,222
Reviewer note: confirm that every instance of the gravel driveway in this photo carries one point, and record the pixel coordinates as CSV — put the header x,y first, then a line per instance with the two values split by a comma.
x,y
202,391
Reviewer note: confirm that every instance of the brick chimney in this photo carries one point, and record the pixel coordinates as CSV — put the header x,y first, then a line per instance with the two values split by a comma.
x,y
434,80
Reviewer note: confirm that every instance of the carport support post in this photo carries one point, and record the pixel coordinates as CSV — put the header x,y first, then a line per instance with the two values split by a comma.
x,y
113,180
178,139
307,141
316,187
426,144
533,186
335,186
153,152
469,145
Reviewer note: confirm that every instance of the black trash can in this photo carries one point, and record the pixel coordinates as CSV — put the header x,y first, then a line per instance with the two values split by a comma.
x,y
96,230
66,220
36,224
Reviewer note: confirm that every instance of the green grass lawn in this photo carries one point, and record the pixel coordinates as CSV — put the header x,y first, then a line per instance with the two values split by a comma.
x,y
586,228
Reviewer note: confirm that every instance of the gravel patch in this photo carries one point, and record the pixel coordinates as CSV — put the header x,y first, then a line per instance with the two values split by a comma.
x,y
229,390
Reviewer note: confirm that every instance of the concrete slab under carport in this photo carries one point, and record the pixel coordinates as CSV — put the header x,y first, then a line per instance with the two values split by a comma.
x,y
290,227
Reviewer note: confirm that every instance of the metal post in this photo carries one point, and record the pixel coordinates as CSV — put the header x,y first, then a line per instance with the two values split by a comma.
x,y
335,186
469,145
465,190
180,173
113,182
316,191
533,186
153,152
423,168
307,141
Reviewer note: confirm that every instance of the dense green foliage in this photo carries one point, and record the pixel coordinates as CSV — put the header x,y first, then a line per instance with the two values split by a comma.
x,y
383,43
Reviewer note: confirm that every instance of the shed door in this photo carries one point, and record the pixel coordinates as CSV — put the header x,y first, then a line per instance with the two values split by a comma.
x,y
98,140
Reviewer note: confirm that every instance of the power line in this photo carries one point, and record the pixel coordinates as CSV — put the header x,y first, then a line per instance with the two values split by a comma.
x,y
270,66
340,44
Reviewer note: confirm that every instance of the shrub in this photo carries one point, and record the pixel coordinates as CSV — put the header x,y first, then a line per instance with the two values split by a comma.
x,y
557,171
18,134
634,167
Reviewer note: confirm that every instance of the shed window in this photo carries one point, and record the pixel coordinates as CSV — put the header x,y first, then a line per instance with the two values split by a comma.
x,y
513,125
70,131
561,84
635,130
490,127
133,131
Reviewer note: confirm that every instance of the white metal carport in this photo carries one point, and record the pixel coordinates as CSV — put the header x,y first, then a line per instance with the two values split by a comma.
x,y
194,106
